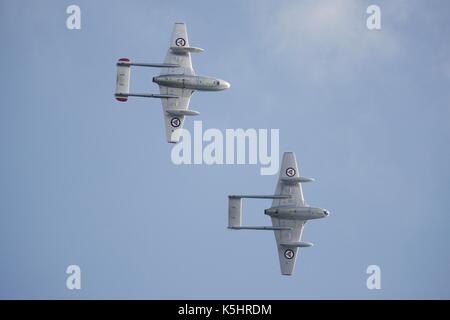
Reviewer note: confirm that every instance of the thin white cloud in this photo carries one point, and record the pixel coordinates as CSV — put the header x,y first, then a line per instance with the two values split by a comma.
x,y
329,37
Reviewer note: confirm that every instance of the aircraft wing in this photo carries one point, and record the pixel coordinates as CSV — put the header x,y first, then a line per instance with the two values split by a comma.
x,y
288,242
288,185
174,110
179,52
288,182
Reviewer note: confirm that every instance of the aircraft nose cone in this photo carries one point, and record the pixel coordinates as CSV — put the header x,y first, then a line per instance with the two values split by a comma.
x,y
226,85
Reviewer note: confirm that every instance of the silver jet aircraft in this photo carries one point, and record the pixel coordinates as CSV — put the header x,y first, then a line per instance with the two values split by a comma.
x,y
289,213
177,82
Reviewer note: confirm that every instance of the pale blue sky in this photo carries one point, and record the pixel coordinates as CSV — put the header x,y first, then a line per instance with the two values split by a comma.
x,y
86,180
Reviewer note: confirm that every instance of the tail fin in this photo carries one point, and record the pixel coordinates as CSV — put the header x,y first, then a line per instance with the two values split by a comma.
x,y
234,212
123,80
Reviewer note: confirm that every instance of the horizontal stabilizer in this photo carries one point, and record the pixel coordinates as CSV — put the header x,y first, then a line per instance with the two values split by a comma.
x,y
186,49
150,65
259,196
300,244
260,228
181,112
146,95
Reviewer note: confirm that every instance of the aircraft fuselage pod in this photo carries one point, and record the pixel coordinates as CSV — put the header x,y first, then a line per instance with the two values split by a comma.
x,y
297,213
192,82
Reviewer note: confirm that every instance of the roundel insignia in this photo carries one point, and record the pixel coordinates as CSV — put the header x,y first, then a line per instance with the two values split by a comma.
x,y
180,42
290,172
175,122
289,254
